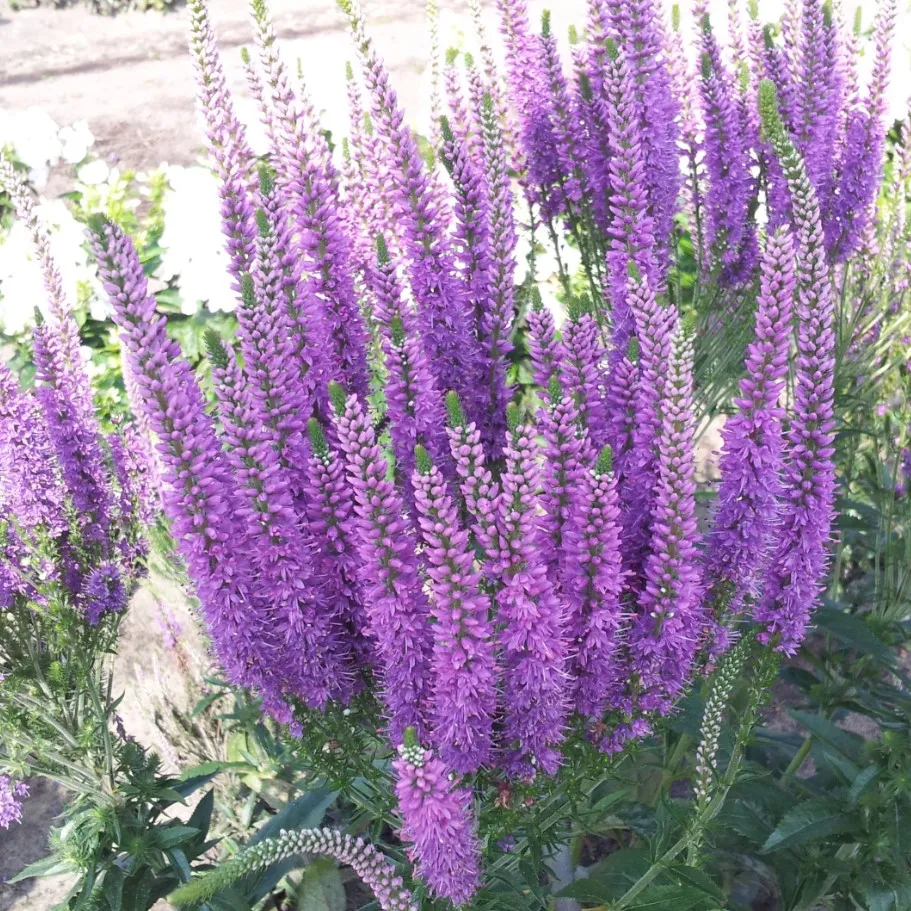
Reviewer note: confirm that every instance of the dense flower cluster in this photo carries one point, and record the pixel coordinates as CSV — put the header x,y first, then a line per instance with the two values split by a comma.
x,y
381,503
71,502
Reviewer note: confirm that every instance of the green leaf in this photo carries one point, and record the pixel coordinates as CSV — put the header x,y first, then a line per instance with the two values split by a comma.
x,y
113,888
853,632
862,783
170,836
816,818
843,742
321,888
48,866
698,879
881,896
201,818
748,819
609,878
673,898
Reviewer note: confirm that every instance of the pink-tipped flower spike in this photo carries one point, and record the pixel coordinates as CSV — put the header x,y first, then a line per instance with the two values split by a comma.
x,y
437,823
798,568
532,634
544,347
397,609
620,405
594,590
745,528
666,633
464,667
584,369
232,156
309,179
200,495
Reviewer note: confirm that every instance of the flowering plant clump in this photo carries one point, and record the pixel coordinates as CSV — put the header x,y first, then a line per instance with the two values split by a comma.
x,y
449,538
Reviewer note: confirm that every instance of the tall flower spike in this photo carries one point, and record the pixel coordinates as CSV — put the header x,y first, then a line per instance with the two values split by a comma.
x,y
729,195
316,663
620,404
752,460
568,454
594,590
437,823
329,509
232,156
414,405
583,369
444,321
309,179
200,495
665,636
532,632
496,323
397,609
638,29
480,491
861,162
544,347
76,441
798,568
31,485
465,679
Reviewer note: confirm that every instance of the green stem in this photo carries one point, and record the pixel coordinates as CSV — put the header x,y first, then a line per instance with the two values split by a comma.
x,y
795,764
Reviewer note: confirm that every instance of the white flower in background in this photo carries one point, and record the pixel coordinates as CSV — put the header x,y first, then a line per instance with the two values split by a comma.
x,y
75,142
194,253
249,115
21,283
94,173
33,135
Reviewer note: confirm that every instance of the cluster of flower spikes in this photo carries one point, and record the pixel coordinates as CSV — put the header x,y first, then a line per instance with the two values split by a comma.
x,y
499,571
74,501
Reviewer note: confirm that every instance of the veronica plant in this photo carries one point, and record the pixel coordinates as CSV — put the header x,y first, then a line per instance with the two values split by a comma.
x,y
508,588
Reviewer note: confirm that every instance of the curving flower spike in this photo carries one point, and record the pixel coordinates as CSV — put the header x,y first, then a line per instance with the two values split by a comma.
x,y
437,823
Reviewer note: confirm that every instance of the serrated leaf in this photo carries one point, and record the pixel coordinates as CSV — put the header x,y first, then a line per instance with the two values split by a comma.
x,y
819,817
673,898
698,879
865,779
48,866
170,836
609,878
843,742
201,817
748,819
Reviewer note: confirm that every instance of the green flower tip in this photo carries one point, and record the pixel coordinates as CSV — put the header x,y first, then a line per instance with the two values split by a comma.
x,y
346,149
632,270
573,35
753,10
612,50
218,352
827,15
605,462
245,56
688,325
675,17
397,330
349,71
382,251
446,129
632,351
452,54
585,86
554,389
317,438
454,410
545,23
487,105
469,59
97,223
410,739
39,317
858,21
513,416
347,7
768,108
247,291
262,223
537,304
422,460
705,66
706,24
266,178
337,397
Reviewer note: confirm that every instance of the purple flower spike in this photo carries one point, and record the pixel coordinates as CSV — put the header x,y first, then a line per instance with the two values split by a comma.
x,y
465,679
437,823
104,593
594,590
12,793
532,618
584,372
665,636
545,349
795,580
752,461
397,609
